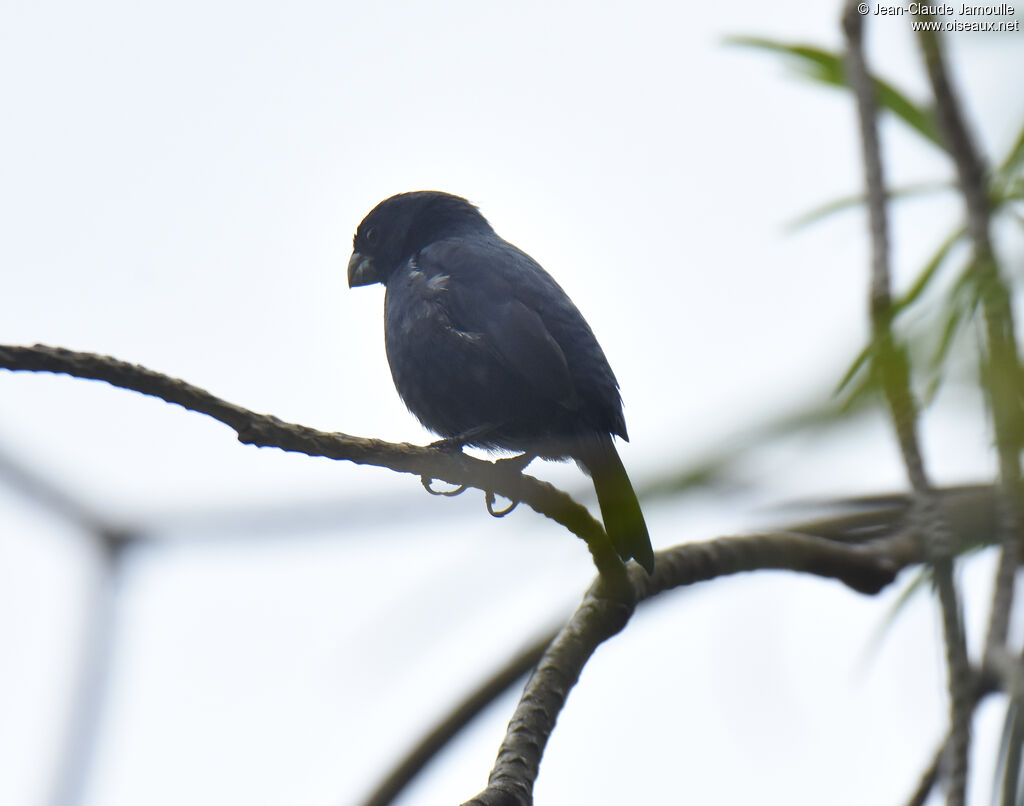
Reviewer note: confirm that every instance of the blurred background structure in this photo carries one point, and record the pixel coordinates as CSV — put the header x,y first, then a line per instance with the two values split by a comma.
x,y
184,619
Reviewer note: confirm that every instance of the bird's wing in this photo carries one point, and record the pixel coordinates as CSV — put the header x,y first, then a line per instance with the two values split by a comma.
x,y
481,298
519,336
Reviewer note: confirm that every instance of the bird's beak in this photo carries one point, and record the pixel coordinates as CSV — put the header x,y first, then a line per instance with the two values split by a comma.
x,y
361,270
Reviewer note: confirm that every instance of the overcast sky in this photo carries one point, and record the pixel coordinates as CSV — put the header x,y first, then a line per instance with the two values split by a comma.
x,y
179,185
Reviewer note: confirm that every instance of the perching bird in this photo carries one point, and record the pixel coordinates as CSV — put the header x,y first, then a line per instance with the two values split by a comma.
x,y
487,350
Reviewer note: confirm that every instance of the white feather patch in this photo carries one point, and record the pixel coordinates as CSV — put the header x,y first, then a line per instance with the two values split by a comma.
x,y
437,283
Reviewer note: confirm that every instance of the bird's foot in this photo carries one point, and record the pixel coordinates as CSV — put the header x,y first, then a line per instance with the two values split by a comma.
x,y
490,498
428,482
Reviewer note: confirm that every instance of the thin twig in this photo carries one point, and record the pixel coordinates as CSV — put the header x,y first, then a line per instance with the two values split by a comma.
x,y
884,532
57,501
928,778
892,364
266,431
90,686
1003,371
865,567
90,699
986,681
431,744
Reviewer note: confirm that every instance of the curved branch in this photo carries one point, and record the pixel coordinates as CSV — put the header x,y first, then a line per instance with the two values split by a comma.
x,y
267,431
431,744
884,532
865,567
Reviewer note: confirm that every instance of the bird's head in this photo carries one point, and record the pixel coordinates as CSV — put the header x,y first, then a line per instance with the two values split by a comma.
x,y
399,227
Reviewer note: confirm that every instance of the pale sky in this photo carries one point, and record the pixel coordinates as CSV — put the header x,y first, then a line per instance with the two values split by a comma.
x,y
179,186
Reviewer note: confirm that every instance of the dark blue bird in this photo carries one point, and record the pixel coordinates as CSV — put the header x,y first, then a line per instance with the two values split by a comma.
x,y
487,350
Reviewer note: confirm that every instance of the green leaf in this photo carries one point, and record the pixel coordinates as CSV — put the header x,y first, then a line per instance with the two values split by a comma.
x,y
719,467
848,202
1015,159
714,470
857,395
919,582
858,363
929,271
960,308
817,63
865,367
949,331
954,318
920,118
829,68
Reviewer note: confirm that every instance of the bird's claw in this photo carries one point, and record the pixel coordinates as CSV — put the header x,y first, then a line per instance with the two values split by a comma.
x,y
498,513
426,481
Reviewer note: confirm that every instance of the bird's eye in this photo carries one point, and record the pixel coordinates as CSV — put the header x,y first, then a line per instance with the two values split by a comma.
x,y
371,236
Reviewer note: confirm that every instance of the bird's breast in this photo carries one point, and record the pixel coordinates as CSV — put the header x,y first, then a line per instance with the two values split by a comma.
x,y
439,370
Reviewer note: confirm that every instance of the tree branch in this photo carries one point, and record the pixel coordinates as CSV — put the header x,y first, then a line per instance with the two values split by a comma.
x,y
431,744
266,431
894,370
864,567
883,527
1003,371
985,681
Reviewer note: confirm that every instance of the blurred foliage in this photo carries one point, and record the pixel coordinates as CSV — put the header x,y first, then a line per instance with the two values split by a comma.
x,y
938,319
829,68
1008,767
929,326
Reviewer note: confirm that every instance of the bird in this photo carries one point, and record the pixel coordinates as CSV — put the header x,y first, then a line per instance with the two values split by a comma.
x,y
486,349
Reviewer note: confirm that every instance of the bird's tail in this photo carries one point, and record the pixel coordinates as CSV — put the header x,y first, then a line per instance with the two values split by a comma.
x,y
620,509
